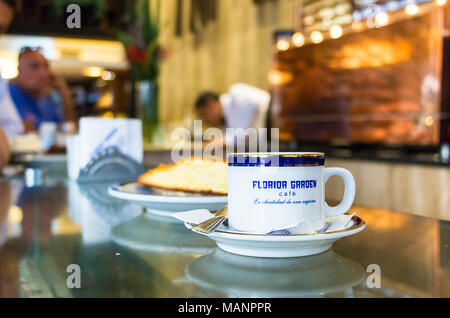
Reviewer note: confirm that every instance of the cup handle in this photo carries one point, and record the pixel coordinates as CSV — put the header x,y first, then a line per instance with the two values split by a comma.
x,y
349,193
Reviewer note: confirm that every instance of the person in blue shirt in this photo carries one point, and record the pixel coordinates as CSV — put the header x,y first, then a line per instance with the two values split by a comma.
x,y
33,92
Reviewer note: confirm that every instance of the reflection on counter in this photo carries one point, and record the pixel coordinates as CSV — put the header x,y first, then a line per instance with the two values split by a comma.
x,y
241,276
410,251
96,212
149,233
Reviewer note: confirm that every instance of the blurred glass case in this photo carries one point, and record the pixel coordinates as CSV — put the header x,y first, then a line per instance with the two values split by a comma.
x,y
381,85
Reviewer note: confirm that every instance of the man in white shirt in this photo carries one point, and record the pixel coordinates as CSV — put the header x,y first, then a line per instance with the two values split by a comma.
x,y
243,106
10,120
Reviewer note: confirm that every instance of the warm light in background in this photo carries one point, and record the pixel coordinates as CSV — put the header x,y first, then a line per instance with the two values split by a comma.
x,y
108,76
298,39
63,225
8,67
108,114
371,53
15,217
441,2
429,121
326,23
67,56
357,25
326,13
412,9
316,37
308,20
336,31
106,100
381,18
343,8
277,78
390,222
283,45
93,71
15,214
344,19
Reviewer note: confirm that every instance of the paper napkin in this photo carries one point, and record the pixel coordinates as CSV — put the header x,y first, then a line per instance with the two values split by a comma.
x,y
335,223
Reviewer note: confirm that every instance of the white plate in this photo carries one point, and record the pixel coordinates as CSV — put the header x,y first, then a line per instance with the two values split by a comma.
x,y
164,202
279,245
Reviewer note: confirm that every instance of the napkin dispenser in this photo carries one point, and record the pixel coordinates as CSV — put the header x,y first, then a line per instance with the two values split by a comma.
x,y
105,150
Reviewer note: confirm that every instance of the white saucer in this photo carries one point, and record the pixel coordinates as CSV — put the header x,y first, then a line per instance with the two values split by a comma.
x,y
279,245
164,202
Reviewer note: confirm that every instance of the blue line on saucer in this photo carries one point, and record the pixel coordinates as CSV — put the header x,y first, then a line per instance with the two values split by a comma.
x,y
275,161
283,232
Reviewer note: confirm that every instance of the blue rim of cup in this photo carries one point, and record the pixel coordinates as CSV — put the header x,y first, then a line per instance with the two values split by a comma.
x,y
300,159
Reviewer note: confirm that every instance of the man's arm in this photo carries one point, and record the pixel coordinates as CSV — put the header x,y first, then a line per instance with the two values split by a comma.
x,y
64,92
4,149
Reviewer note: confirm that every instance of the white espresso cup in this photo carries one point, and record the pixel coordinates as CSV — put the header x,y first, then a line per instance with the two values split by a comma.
x,y
271,191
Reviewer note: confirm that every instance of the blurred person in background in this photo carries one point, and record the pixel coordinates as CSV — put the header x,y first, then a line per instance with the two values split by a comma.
x,y
6,106
38,94
209,110
10,120
243,106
